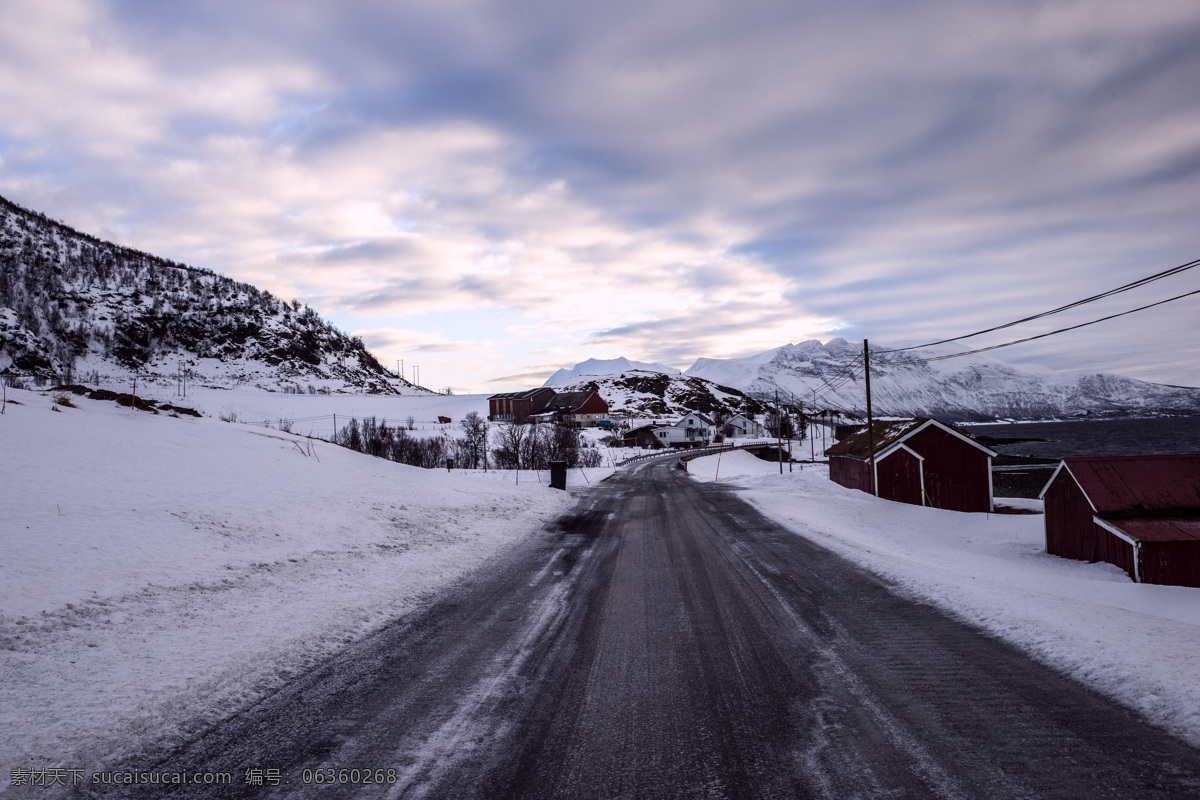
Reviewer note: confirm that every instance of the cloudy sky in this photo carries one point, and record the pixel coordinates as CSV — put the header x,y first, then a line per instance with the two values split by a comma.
x,y
494,190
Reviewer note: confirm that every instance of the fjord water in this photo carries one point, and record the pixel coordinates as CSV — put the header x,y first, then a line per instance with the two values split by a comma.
x,y
1112,437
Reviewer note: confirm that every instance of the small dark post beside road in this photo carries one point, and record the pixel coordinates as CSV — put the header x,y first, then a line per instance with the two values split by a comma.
x,y
870,420
558,475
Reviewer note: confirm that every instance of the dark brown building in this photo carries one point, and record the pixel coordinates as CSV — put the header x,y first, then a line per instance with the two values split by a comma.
x,y
919,461
518,405
584,408
1141,513
641,436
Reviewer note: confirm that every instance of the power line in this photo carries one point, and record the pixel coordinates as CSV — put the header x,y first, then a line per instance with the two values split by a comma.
x,y
833,388
848,372
851,374
1127,287
825,400
1040,335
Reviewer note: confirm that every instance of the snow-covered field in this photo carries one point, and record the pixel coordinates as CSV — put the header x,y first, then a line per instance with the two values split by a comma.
x,y
316,415
160,572
313,414
1137,643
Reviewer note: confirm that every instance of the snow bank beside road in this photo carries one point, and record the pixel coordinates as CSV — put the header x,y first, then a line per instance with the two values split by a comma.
x,y
737,465
1138,644
159,572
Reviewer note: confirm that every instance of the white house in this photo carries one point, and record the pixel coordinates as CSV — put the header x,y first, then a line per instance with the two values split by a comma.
x,y
692,430
744,427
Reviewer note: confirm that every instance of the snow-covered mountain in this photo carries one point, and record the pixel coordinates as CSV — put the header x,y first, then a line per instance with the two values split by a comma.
x,y
970,388
71,303
611,366
646,393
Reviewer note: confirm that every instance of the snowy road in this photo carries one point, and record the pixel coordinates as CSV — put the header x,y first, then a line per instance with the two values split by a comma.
x,y
668,641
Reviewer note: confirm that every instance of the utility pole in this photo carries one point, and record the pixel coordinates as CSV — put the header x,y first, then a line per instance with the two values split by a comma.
x,y
791,435
870,421
779,431
812,445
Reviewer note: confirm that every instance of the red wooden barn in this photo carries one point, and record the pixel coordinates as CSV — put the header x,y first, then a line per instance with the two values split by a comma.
x,y
919,461
582,408
518,405
1141,513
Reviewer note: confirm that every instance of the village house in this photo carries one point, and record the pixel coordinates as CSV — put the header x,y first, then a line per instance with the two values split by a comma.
x,y
1141,513
583,408
692,430
516,406
742,427
919,461
642,436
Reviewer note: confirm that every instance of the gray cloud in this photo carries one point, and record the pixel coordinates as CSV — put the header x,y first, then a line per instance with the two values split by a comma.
x,y
895,172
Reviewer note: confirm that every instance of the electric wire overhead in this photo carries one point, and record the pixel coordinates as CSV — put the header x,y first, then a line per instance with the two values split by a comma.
x,y
1118,290
1040,335
851,371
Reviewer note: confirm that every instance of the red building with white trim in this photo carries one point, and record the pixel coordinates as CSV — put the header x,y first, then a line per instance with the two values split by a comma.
x,y
918,461
1141,513
583,408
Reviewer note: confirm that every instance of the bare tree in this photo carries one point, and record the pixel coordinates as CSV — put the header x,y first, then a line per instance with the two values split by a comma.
x,y
510,438
475,428
564,443
535,451
779,424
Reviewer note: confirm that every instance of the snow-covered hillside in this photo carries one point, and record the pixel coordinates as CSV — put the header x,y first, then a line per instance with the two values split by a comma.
x,y
160,573
642,393
71,302
596,367
971,388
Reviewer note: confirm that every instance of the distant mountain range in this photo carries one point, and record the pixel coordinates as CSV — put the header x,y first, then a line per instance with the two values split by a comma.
x,y
70,302
962,389
967,388
612,366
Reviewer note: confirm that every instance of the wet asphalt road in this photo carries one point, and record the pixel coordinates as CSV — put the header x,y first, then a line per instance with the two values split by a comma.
x,y
666,641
